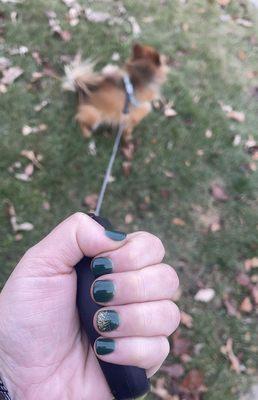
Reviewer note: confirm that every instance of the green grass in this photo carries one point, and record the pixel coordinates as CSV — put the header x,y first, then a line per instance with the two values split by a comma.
x,y
207,69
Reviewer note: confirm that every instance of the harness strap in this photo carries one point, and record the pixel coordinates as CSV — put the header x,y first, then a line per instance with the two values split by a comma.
x,y
129,94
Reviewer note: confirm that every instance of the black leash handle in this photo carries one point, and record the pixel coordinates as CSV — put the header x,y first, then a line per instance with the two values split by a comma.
x,y
125,382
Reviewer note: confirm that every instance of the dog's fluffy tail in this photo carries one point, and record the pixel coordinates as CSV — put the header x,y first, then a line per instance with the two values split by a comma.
x,y
80,75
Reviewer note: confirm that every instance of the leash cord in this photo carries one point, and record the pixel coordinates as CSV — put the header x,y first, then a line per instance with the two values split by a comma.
x,y
109,167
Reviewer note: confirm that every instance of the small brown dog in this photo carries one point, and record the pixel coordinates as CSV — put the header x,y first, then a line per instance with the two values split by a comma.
x,y
104,96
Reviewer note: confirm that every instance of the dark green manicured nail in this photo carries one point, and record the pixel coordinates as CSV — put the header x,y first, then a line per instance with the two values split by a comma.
x,y
107,320
104,346
103,291
101,266
115,235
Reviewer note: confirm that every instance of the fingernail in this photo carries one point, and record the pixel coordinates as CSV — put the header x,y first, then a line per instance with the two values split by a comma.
x,y
101,266
115,235
107,320
103,291
104,346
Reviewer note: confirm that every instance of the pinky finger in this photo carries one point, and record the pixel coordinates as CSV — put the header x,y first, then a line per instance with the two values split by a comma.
x,y
144,352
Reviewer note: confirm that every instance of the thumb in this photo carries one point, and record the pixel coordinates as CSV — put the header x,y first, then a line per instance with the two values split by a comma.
x,y
62,248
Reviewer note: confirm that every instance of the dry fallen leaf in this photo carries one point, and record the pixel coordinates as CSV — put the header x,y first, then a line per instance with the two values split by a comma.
x,y
173,370
193,383
169,174
251,263
246,23
205,295
160,390
25,226
227,350
30,155
129,218
55,27
91,200
186,319
208,133
243,279
4,63
136,30
41,105
181,345
238,116
231,309
27,130
178,222
218,192
169,110
92,148
10,75
96,16
246,305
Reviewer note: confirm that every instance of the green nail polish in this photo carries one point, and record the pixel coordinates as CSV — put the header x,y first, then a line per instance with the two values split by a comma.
x,y
107,320
115,235
104,346
103,291
101,266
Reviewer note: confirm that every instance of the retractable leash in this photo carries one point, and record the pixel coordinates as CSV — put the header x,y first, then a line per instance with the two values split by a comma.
x,y
125,382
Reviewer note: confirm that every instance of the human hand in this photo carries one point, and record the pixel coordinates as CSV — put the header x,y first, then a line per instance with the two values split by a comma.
x,y
43,353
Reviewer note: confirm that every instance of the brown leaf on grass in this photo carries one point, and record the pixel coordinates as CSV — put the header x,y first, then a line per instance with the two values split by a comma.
x,y
10,75
127,167
238,116
25,226
55,27
31,155
175,371
178,222
246,305
205,295
251,263
160,390
91,200
243,279
181,345
36,76
27,130
208,133
36,56
218,192
186,319
46,205
22,176
129,219
231,309
227,350
169,111
193,383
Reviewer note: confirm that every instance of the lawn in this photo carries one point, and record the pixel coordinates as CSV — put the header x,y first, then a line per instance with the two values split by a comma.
x,y
194,176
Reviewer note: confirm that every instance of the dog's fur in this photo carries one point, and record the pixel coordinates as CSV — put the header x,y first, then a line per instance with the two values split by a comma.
x,y
102,95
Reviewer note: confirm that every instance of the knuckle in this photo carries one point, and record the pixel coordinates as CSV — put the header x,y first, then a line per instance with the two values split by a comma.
x,y
78,217
164,349
133,257
172,315
172,279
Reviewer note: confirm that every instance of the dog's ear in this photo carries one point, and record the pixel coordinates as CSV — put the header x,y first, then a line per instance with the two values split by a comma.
x,y
138,51
155,57
146,52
